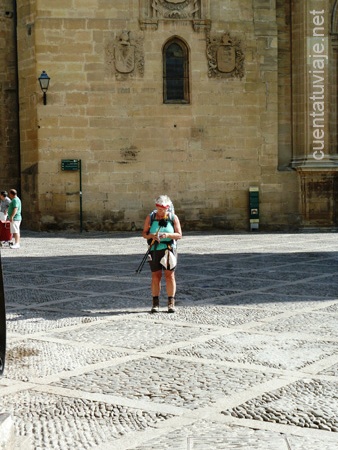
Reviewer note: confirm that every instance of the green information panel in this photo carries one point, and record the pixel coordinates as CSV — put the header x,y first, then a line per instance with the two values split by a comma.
x,y
69,164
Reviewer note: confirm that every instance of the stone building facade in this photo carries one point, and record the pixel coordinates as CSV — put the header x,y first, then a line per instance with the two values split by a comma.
x,y
199,99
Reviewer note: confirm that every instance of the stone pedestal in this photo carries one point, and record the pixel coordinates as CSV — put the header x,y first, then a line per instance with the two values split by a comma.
x,y
319,189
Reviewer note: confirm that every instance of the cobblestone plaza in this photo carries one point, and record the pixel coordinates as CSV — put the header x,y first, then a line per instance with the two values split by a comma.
x,y
248,361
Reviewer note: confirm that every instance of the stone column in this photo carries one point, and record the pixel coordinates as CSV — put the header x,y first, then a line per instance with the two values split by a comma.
x,y
9,128
315,162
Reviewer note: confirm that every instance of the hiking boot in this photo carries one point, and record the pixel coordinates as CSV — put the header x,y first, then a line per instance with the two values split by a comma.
x,y
171,305
156,305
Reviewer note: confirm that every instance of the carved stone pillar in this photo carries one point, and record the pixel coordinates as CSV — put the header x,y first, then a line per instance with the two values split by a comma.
x,y
313,157
310,68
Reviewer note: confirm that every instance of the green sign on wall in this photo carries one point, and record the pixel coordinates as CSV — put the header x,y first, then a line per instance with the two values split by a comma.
x,y
69,164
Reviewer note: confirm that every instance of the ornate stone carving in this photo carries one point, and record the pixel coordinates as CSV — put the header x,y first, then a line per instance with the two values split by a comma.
x,y
125,55
225,56
176,9
196,12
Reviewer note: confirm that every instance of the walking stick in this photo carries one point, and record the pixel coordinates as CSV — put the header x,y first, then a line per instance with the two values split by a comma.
x,y
162,223
144,259
140,267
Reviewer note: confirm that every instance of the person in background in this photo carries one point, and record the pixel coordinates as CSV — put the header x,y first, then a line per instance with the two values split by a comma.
x,y
14,216
4,203
162,229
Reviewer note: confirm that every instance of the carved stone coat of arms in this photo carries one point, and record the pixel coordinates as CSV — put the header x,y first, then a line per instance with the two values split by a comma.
x,y
125,56
225,56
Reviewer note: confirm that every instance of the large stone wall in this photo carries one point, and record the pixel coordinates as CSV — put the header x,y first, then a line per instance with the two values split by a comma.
x,y
9,133
132,146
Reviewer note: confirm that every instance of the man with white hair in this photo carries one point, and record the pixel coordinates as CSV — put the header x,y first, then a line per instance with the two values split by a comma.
x,y
162,229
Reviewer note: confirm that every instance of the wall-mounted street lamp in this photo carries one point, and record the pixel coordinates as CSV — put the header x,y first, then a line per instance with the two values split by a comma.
x,y
44,83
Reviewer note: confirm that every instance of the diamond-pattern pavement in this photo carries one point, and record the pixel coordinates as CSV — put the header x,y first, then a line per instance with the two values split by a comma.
x,y
248,361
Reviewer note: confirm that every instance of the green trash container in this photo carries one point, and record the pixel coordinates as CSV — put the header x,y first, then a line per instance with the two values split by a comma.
x,y
254,208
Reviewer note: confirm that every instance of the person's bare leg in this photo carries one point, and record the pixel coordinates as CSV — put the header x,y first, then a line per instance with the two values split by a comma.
x,y
171,289
170,282
156,283
156,289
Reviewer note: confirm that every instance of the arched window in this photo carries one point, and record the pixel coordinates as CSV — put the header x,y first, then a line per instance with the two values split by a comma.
x,y
175,72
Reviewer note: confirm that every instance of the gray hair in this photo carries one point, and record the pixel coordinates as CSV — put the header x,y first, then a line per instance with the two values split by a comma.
x,y
165,201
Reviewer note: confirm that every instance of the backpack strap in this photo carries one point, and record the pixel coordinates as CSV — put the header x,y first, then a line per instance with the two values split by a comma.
x,y
152,215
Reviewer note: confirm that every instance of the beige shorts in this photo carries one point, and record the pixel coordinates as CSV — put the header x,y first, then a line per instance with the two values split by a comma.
x,y
15,226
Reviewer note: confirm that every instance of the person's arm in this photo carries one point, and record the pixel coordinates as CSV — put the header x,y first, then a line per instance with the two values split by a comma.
x,y
15,210
177,231
7,206
146,228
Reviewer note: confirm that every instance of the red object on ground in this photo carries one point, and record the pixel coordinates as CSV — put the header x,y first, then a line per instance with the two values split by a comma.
x,y
5,231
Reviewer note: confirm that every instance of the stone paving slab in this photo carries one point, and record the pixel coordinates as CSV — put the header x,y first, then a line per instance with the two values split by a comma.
x,y
318,289
130,334
60,422
215,315
36,321
208,435
249,360
318,324
29,296
277,274
272,300
239,283
306,403
255,348
31,359
30,279
204,293
163,380
104,304
92,285
114,270
303,269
